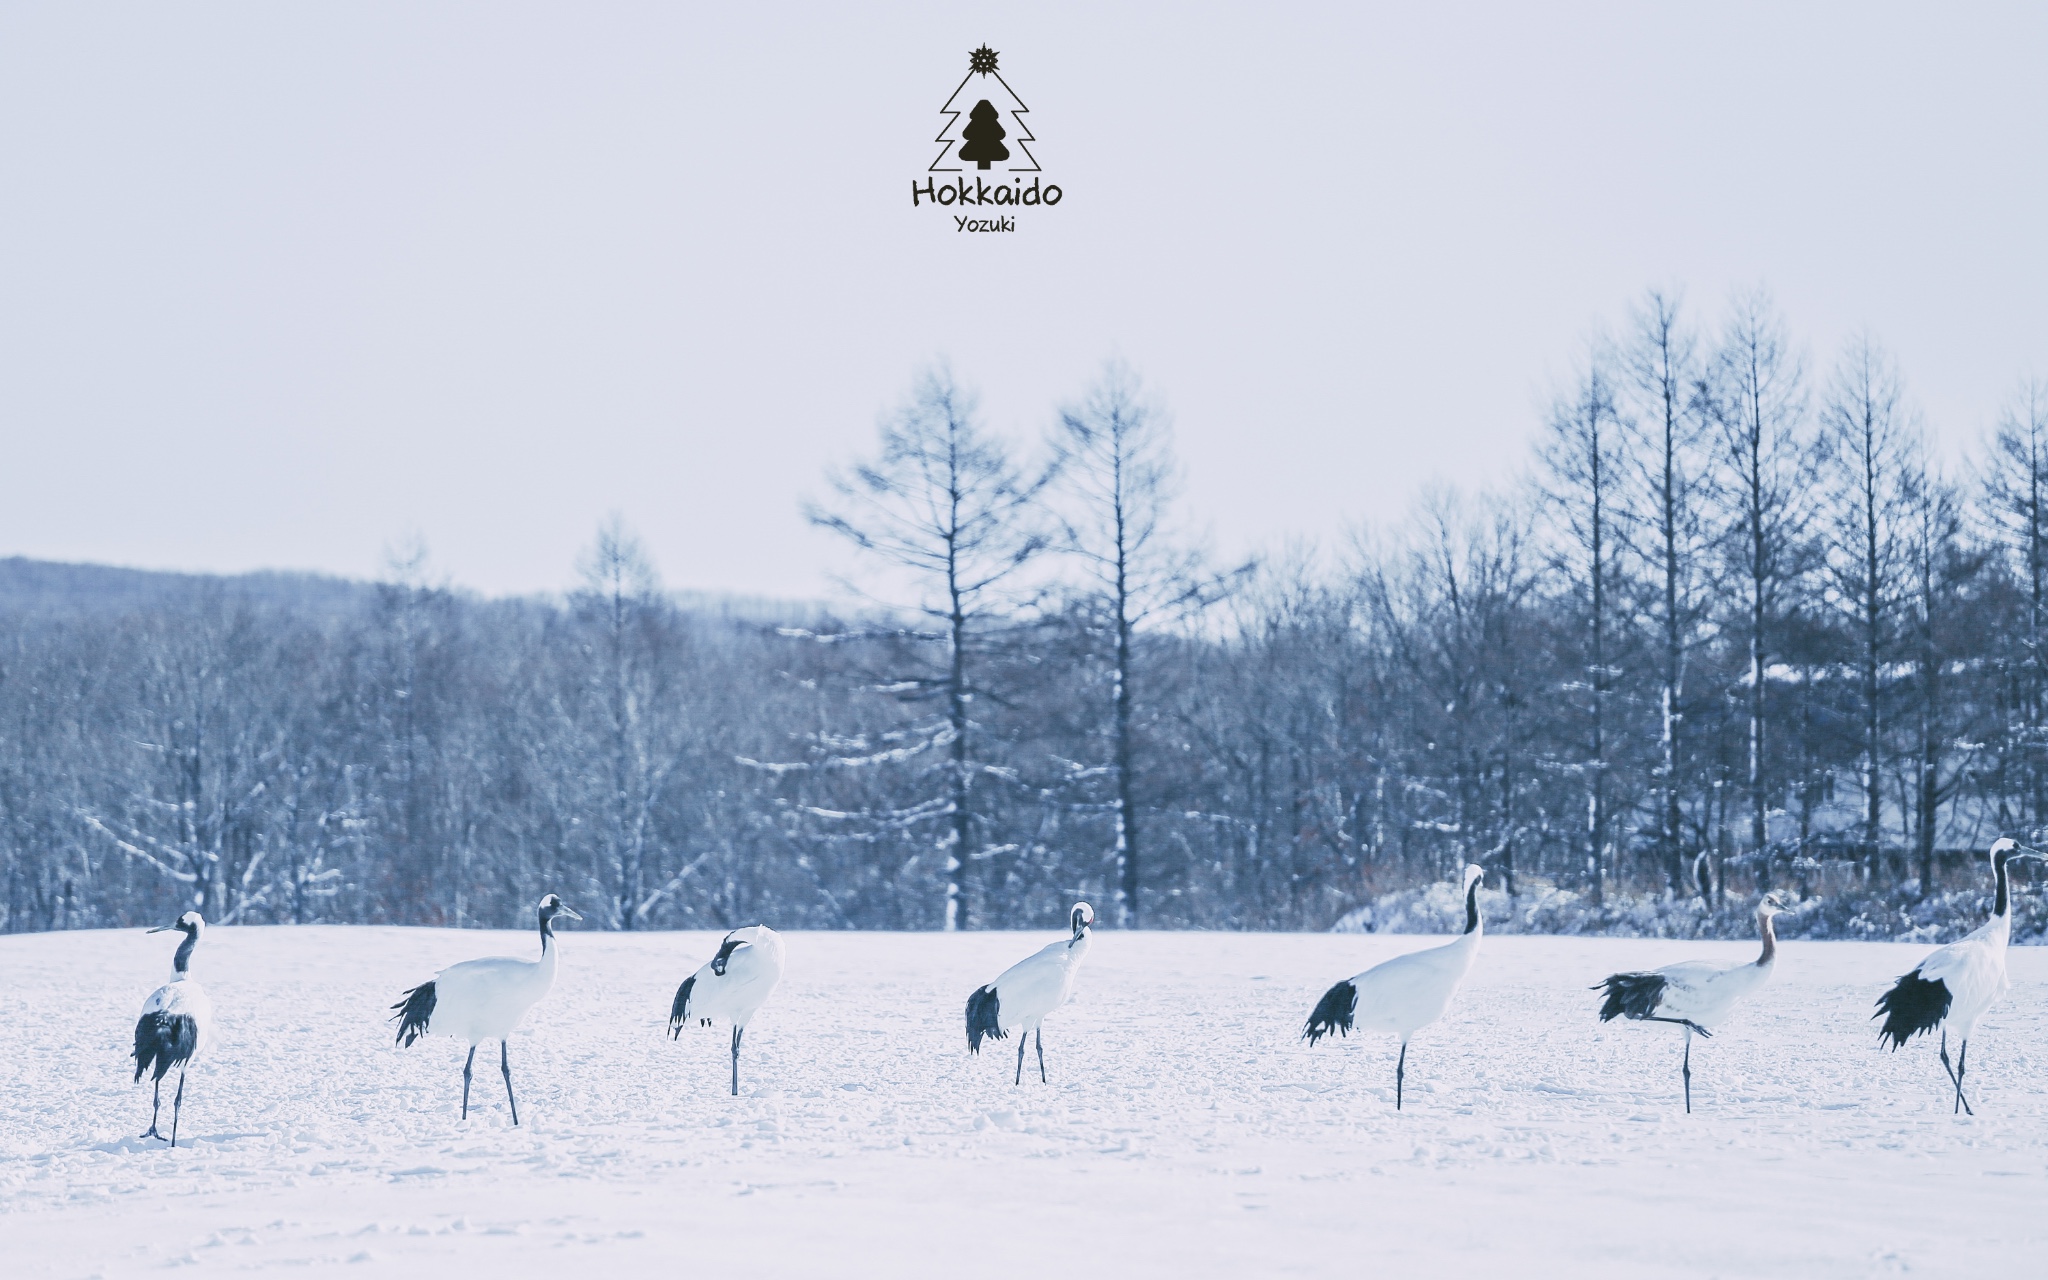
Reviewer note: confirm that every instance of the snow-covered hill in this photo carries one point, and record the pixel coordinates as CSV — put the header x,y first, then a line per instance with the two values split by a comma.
x,y
1186,1132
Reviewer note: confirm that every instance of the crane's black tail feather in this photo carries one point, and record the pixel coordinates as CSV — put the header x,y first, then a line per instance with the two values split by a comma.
x,y
984,1019
679,1012
164,1040
1630,995
1332,1013
1914,1006
415,1009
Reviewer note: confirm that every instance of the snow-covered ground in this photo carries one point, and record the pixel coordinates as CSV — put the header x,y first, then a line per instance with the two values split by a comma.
x,y
1186,1131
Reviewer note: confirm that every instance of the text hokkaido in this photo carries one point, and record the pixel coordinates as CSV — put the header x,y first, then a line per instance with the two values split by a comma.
x,y
958,192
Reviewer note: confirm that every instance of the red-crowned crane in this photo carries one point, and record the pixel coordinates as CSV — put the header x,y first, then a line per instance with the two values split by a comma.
x,y
1954,986
1695,994
732,985
175,1026
481,1000
1404,994
1028,990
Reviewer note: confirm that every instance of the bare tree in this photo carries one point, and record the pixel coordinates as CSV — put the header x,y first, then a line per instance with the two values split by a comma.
x,y
2015,484
944,507
621,606
1870,449
1760,402
1940,568
1452,601
1116,460
1667,529
1583,460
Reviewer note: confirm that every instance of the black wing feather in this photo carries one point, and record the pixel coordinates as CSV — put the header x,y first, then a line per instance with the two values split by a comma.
x,y
984,1018
1631,995
1332,1013
1914,1006
164,1040
415,1009
679,1012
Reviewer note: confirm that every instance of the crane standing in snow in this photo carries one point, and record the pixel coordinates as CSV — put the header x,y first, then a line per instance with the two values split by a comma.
x,y
483,1000
1696,994
731,985
175,1026
1404,994
1955,985
1028,990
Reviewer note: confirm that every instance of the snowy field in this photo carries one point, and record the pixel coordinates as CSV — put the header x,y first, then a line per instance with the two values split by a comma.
x,y
1186,1131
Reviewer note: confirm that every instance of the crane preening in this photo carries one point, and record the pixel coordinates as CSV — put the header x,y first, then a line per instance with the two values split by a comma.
x,y
175,1026
1955,985
731,985
1404,994
483,1000
1028,990
1695,994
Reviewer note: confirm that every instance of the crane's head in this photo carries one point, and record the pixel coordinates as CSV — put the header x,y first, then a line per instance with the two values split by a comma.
x,y
1773,903
552,906
2006,849
191,922
1082,917
1474,873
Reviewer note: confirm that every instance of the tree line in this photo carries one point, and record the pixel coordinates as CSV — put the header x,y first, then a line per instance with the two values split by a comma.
x,y
1736,626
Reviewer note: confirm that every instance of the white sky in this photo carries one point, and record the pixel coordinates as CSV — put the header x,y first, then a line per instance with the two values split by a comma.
x,y
282,285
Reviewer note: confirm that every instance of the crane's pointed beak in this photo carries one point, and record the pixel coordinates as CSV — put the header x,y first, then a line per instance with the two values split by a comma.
x,y
162,928
568,911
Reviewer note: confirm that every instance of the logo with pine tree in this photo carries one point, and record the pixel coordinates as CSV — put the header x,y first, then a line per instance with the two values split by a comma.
x,y
987,140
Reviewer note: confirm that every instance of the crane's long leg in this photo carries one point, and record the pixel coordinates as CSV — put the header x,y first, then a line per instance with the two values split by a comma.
x,y
178,1104
1686,1070
1040,1034
1400,1074
467,1063
156,1106
505,1065
1963,1069
736,1060
1020,1059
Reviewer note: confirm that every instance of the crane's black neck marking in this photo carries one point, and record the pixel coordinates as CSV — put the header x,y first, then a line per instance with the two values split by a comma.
x,y
1769,933
724,956
1472,906
182,962
547,929
1080,927
1998,871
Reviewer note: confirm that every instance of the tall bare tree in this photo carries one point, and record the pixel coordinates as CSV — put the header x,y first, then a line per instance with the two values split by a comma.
x,y
1870,450
1940,569
1583,462
1667,529
2015,485
1760,402
633,691
1119,479
944,510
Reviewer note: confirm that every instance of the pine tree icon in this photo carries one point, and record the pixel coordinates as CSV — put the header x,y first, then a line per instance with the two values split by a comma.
x,y
984,134
985,138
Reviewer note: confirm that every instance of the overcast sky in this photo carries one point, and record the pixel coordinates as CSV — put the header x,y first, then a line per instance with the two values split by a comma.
x,y
283,285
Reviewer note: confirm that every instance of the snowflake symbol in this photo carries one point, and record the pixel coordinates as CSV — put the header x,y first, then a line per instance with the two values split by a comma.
x,y
982,60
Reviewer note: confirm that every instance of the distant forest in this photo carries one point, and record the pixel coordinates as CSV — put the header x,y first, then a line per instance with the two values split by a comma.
x,y
1737,627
